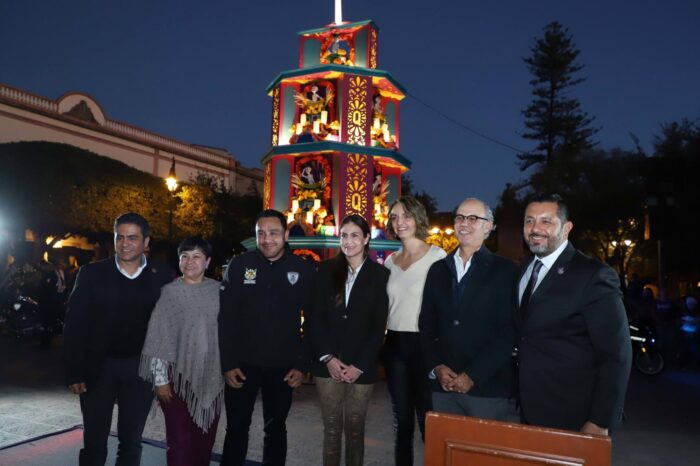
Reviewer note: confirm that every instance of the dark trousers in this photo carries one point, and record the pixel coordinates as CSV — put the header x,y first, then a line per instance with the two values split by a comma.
x,y
118,380
49,313
464,404
240,402
408,385
188,444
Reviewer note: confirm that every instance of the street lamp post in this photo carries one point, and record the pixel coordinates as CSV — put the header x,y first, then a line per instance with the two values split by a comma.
x,y
171,183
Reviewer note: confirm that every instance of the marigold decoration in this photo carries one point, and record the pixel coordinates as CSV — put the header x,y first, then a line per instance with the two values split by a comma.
x,y
443,240
313,107
338,50
303,194
307,254
381,209
321,188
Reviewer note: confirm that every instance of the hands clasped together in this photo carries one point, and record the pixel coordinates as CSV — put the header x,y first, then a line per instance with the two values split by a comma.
x,y
453,382
341,372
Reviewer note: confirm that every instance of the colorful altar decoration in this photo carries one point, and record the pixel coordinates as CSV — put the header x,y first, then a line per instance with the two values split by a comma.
x,y
335,137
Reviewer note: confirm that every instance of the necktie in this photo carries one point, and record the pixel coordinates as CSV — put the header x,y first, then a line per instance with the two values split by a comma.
x,y
530,284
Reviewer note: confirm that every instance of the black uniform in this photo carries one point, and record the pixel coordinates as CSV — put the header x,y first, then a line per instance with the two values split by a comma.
x,y
260,332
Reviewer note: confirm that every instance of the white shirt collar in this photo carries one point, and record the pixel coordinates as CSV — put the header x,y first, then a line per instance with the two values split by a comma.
x,y
350,281
461,267
353,275
144,262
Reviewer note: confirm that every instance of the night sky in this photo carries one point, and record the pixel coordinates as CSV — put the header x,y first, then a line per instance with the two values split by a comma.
x,y
197,71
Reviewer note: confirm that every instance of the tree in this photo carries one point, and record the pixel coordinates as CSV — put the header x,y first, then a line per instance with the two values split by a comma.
x,y
232,215
673,200
58,190
554,119
607,206
605,194
428,201
196,210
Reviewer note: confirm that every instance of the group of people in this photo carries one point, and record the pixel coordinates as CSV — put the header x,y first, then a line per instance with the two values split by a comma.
x,y
444,326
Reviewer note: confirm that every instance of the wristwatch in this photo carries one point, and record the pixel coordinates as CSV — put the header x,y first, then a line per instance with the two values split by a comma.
x,y
326,358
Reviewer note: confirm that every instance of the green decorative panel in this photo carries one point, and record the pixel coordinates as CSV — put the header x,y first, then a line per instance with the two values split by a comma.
x,y
335,189
312,53
394,186
390,109
288,113
283,173
361,48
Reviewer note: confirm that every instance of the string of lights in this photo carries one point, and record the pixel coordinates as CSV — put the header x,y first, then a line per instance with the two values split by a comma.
x,y
464,126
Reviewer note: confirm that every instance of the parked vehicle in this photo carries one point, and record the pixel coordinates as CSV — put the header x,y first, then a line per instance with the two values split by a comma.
x,y
21,317
647,358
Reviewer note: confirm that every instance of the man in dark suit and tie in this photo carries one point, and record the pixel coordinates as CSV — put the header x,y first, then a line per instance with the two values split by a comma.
x,y
574,343
465,323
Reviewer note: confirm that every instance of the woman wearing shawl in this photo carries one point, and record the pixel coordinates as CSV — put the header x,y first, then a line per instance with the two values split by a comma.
x,y
347,330
181,357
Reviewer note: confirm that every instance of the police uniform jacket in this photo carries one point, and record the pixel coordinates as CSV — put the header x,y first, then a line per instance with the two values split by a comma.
x,y
262,303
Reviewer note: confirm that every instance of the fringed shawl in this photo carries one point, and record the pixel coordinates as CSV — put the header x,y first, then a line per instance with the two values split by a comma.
x,y
183,333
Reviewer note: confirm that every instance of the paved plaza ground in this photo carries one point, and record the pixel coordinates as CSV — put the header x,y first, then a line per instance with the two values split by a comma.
x,y
34,402
662,426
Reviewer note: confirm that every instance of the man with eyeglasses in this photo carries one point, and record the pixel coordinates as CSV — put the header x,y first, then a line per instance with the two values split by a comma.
x,y
574,344
466,327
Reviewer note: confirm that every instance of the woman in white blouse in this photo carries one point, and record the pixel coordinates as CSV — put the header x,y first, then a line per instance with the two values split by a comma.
x,y
407,377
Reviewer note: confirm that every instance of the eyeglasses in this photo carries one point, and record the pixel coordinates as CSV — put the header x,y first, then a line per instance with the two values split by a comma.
x,y
470,219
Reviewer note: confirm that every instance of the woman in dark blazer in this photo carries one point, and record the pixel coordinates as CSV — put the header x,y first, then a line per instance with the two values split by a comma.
x,y
347,331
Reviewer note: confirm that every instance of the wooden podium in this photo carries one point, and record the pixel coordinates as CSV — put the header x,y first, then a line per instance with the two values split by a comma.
x,y
460,441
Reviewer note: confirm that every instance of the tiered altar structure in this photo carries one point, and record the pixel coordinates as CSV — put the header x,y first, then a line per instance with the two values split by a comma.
x,y
335,136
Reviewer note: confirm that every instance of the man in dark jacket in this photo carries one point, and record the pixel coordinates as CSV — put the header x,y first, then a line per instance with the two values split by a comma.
x,y
263,296
466,329
105,327
574,342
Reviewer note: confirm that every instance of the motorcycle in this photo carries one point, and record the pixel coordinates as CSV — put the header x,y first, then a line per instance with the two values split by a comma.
x,y
646,356
21,317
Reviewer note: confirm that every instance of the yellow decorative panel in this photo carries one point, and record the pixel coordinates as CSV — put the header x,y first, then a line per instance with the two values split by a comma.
x,y
357,110
266,186
373,50
275,116
356,187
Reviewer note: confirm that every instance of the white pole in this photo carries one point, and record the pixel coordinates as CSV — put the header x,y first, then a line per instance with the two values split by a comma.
x,y
338,11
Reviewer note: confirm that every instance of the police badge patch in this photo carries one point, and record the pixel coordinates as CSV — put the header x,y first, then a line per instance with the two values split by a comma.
x,y
293,277
249,276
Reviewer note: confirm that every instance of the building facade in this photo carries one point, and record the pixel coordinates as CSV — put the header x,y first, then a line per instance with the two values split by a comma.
x,y
79,120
